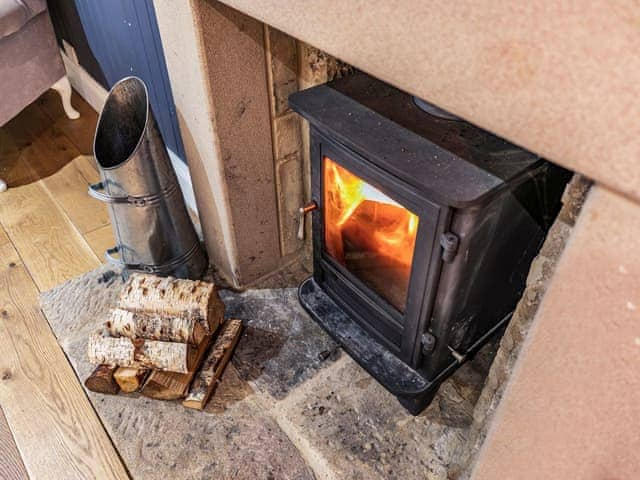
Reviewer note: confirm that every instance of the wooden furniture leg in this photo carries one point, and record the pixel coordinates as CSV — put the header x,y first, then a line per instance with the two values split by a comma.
x,y
63,87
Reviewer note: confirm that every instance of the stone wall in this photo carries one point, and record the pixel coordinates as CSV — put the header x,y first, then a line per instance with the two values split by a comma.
x,y
282,72
292,66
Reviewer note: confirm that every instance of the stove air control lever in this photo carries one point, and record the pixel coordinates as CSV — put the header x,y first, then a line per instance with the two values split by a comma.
x,y
302,212
459,357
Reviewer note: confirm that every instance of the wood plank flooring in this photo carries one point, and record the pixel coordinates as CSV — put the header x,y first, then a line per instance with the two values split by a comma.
x,y
45,406
101,239
50,231
69,189
3,236
51,247
11,466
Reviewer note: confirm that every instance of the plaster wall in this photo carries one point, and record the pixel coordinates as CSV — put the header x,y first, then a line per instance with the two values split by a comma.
x,y
184,55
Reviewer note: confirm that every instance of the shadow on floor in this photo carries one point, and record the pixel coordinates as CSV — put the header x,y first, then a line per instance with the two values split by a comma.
x,y
41,140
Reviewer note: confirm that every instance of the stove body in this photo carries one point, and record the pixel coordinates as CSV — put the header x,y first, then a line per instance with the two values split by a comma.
x,y
424,232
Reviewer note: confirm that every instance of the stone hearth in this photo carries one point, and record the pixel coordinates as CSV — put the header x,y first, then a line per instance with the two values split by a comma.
x,y
291,404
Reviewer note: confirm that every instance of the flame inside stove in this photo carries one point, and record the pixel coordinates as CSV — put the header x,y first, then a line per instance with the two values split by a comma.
x,y
368,232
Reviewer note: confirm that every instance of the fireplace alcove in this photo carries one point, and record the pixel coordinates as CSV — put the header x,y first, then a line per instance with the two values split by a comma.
x,y
423,234
257,144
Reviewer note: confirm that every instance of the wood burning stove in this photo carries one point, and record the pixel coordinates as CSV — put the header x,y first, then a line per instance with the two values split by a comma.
x,y
423,234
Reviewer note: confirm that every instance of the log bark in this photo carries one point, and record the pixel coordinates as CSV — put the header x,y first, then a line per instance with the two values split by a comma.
x,y
130,379
211,370
170,385
102,380
173,297
153,326
126,352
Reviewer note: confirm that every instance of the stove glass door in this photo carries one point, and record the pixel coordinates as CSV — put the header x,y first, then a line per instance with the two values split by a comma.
x,y
368,233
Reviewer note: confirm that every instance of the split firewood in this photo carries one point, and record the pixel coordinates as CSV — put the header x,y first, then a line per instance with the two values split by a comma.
x,y
211,370
130,379
153,326
173,297
127,352
102,380
170,385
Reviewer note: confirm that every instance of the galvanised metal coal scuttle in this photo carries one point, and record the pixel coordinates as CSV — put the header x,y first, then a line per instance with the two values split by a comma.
x,y
148,214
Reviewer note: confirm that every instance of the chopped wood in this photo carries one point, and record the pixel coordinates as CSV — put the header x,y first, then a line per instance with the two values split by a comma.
x,y
102,380
130,379
155,326
172,386
127,352
207,376
173,297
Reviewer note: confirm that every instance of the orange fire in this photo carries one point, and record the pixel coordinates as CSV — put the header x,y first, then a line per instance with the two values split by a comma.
x,y
367,230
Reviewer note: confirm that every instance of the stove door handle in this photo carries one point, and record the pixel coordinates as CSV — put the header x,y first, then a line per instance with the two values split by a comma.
x,y
302,213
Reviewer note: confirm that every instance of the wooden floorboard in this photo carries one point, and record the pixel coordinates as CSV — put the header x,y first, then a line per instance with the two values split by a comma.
x,y
3,236
68,187
48,153
46,159
55,428
27,125
13,168
101,239
11,466
52,248
52,158
87,167
80,132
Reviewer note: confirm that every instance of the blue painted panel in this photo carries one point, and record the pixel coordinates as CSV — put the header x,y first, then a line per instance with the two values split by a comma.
x,y
124,38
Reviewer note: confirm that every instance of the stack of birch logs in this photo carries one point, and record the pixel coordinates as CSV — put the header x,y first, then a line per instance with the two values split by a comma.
x,y
166,338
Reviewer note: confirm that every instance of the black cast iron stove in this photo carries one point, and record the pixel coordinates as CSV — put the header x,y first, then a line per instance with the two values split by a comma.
x,y
423,234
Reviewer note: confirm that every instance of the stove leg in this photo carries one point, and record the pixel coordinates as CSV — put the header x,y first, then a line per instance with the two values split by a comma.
x,y
416,404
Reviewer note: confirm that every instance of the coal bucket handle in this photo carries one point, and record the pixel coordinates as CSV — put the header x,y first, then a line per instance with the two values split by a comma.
x,y
95,191
108,256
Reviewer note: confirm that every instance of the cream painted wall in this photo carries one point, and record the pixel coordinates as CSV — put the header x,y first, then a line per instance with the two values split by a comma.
x,y
185,62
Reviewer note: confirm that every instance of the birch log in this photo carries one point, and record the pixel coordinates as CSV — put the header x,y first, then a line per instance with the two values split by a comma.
x,y
101,380
125,352
207,376
174,297
171,385
153,326
130,379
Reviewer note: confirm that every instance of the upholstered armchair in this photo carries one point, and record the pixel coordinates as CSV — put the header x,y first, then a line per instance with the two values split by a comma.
x,y
30,61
